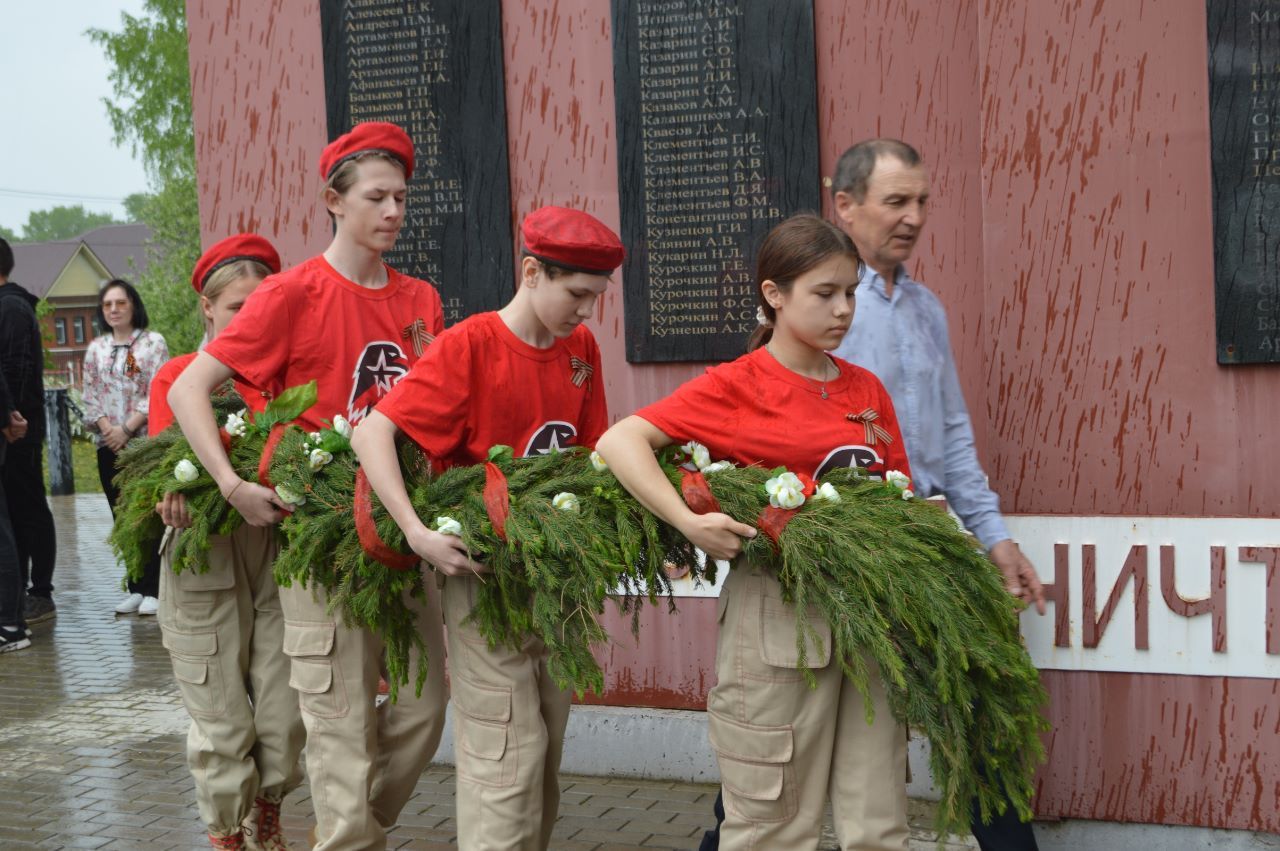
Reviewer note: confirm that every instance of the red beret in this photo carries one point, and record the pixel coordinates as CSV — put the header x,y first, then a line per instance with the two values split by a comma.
x,y
369,136
242,246
573,239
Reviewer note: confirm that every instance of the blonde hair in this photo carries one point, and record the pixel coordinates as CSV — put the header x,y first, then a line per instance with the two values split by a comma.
x,y
224,275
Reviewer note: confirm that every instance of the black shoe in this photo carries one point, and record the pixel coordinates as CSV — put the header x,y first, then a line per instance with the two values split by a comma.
x,y
13,638
39,609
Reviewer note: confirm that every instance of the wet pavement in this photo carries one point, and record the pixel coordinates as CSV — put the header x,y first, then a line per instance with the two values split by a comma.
x,y
92,733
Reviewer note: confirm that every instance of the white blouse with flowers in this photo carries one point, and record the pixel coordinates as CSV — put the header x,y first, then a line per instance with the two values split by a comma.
x,y
118,375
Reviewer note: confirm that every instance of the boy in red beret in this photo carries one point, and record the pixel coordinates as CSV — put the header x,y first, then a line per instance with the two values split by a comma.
x,y
223,627
527,376
355,326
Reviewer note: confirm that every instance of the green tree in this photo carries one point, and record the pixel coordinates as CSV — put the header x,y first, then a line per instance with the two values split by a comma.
x,y
62,223
7,235
151,112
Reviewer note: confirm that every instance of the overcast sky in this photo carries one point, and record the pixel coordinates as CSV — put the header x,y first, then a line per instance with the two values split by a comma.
x,y
55,140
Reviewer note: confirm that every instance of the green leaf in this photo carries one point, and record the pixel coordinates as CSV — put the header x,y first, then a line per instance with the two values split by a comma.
x,y
291,404
501,452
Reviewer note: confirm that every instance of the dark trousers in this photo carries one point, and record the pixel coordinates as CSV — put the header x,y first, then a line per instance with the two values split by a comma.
x,y
1003,833
11,584
149,584
29,514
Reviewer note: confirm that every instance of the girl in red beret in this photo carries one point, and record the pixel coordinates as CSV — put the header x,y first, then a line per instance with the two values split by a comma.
x,y
527,376
356,326
782,746
223,627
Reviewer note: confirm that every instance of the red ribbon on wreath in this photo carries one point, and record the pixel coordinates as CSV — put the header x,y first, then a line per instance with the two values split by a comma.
x,y
773,521
497,501
367,530
269,449
697,493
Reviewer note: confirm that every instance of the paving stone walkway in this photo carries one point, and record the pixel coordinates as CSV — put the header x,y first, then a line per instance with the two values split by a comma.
x,y
92,732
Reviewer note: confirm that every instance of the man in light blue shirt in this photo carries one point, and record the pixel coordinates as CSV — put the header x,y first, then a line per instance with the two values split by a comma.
x,y
899,332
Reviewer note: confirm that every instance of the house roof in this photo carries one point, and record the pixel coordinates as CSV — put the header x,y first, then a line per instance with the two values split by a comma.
x,y
121,249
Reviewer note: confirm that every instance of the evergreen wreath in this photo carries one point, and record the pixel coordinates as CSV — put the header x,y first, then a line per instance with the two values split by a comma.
x,y
893,576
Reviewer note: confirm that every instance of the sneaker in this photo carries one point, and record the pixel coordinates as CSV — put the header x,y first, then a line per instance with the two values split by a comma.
x,y
148,606
39,609
224,841
129,605
265,833
13,638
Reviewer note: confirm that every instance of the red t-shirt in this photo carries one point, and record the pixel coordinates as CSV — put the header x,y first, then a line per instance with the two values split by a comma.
x,y
755,411
309,322
479,385
160,416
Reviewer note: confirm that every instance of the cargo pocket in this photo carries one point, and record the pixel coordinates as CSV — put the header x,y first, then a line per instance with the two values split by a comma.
x,y
756,770
321,690
199,681
219,573
779,647
487,752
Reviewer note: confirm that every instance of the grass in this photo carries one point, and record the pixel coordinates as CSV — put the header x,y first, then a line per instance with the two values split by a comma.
x,y
84,466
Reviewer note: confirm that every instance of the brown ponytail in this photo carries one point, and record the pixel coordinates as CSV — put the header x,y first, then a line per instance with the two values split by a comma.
x,y
792,248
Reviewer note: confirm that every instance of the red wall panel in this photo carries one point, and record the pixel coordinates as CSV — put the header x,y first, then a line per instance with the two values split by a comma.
x,y
1069,237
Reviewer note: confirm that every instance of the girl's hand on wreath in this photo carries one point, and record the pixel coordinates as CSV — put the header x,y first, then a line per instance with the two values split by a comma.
x,y
445,553
173,511
258,506
717,535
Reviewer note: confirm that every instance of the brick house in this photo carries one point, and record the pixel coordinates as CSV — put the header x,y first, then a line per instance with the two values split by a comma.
x,y
68,275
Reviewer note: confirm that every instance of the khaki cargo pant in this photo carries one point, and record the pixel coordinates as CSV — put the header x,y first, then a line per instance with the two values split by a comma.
x,y
223,630
509,720
784,747
362,762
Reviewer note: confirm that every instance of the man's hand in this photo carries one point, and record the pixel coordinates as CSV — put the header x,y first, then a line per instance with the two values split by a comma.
x,y
1020,577
446,553
16,429
717,535
173,511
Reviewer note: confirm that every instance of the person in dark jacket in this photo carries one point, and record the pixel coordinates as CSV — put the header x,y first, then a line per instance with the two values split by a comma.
x,y
22,363
13,631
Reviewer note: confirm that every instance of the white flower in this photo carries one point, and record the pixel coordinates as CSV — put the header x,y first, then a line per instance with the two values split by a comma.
x,y
565,501
341,426
827,491
597,462
314,437
898,479
236,425
716,467
907,493
787,498
698,454
785,491
448,526
287,495
318,458
783,480
185,471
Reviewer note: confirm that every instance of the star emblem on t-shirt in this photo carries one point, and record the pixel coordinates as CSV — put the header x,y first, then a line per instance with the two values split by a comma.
x,y
383,372
553,436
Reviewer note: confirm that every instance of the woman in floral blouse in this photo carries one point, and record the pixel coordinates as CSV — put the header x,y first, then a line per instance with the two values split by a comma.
x,y
118,368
